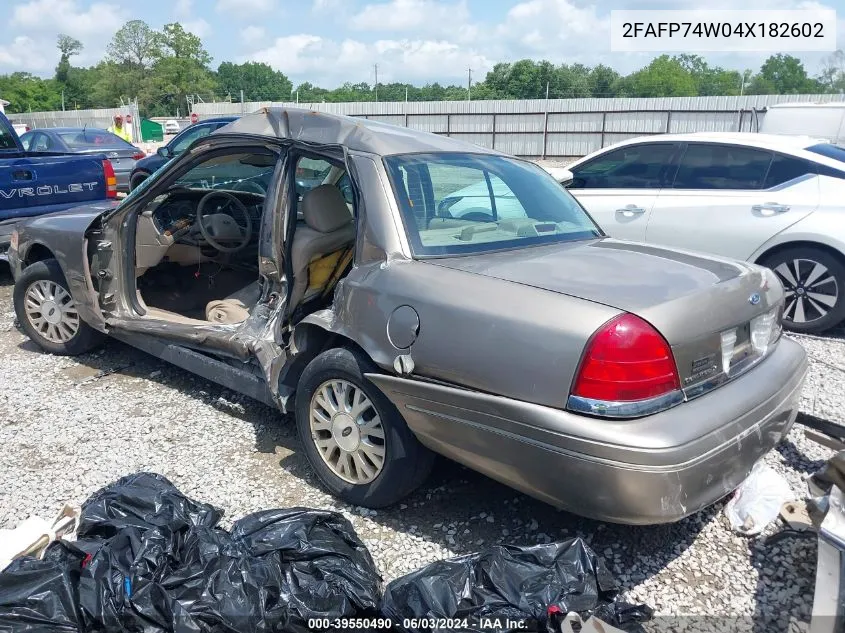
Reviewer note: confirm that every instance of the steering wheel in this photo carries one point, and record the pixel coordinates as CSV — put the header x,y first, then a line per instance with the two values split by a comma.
x,y
220,227
249,186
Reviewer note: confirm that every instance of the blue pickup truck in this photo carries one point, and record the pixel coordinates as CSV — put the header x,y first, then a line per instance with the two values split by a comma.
x,y
39,183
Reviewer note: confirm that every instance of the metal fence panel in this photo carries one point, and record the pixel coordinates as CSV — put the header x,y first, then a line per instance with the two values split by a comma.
x,y
520,144
471,123
575,121
553,127
97,118
519,123
571,145
438,123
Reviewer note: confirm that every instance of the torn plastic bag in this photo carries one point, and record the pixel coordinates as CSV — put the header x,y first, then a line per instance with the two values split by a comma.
x,y
142,500
521,584
40,596
758,500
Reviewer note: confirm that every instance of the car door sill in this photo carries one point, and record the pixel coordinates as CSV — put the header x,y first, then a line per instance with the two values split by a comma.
x,y
205,366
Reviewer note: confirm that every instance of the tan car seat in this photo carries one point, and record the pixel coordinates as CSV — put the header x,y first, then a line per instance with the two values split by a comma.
x,y
328,229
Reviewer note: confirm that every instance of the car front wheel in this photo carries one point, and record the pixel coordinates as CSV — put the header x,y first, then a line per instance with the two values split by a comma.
x,y
354,437
47,312
137,179
814,282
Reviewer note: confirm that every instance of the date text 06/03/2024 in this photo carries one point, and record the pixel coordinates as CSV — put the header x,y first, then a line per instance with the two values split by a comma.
x,y
442,624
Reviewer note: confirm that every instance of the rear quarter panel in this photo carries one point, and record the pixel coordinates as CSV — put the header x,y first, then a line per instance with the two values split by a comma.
x,y
477,332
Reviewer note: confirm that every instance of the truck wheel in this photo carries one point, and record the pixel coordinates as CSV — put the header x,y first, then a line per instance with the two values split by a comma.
x,y
354,437
47,312
814,281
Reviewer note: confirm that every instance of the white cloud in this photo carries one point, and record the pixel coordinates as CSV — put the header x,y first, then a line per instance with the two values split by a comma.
x,y
555,28
253,34
23,54
199,27
40,21
327,6
66,16
183,8
329,62
407,15
236,7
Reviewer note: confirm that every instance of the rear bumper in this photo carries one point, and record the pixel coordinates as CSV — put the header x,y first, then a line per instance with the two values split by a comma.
x,y
122,178
644,471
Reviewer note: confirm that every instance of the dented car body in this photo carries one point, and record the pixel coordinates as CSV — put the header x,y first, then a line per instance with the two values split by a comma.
x,y
615,380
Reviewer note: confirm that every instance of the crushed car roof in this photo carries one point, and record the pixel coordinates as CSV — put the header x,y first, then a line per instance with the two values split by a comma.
x,y
356,133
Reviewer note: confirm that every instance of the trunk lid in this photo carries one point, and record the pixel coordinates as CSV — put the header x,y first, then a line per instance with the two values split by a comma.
x,y
690,298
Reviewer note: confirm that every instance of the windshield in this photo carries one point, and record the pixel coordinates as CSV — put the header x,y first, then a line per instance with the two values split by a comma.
x,y
456,204
7,138
830,150
92,139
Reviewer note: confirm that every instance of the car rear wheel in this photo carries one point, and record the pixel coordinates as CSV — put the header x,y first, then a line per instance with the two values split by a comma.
x,y
48,313
137,179
814,281
354,437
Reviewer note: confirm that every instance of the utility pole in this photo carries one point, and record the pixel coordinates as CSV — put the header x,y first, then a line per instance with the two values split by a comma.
x,y
63,99
406,94
742,85
469,84
375,67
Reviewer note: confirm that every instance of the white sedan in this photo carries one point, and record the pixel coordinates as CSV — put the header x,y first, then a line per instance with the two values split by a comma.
x,y
775,200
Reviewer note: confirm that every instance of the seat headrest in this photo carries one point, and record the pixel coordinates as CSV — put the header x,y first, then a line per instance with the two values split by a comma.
x,y
324,209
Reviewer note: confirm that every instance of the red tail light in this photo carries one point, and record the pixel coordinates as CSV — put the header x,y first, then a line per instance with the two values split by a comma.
x,y
627,360
139,156
111,180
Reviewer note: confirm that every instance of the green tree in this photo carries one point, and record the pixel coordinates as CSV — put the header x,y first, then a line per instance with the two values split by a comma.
x,y
68,47
258,81
603,81
26,92
832,76
664,77
784,74
175,41
135,44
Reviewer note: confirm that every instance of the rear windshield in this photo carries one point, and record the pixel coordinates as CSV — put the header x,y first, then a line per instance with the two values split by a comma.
x,y
92,139
830,150
458,204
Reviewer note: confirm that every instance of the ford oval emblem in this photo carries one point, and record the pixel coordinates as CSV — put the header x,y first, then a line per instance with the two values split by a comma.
x,y
754,299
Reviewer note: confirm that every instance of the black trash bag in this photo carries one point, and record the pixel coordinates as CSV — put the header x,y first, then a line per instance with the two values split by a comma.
x,y
329,572
503,583
40,596
118,587
159,563
142,500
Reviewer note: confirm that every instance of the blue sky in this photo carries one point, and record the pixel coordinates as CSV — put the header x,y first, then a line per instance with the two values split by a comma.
x,y
329,42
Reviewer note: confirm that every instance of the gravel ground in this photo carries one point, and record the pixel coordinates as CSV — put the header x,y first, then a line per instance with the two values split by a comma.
x,y
71,425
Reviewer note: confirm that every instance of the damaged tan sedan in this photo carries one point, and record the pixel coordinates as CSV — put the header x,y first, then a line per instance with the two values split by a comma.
x,y
405,294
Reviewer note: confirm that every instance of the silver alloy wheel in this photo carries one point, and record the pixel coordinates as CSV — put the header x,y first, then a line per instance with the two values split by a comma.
x,y
347,431
811,290
51,311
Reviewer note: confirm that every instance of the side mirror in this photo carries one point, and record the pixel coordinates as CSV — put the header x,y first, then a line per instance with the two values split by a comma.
x,y
164,151
562,175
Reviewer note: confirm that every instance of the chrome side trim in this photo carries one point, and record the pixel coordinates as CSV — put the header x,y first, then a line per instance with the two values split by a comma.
x,y
638,408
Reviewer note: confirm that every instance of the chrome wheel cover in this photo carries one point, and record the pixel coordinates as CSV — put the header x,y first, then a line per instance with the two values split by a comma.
x,y
51,311
811,290
347,431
